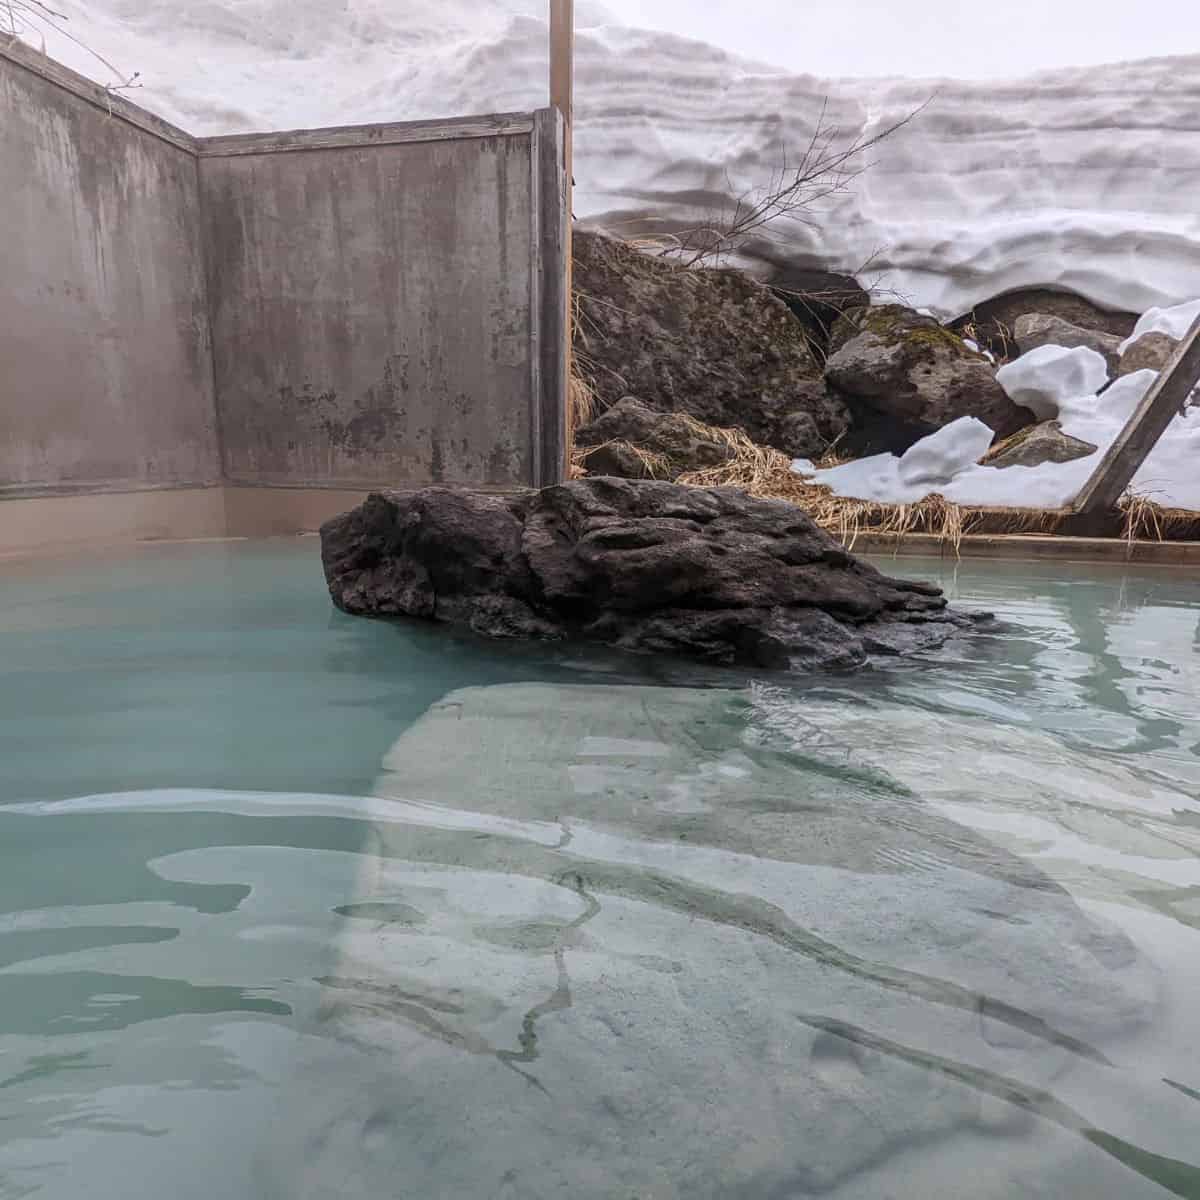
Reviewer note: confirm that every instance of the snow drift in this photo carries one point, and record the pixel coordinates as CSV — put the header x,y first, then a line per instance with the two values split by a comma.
x,y
1081,179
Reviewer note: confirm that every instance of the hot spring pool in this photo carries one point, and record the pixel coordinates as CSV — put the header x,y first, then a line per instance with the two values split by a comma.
x,y
296,905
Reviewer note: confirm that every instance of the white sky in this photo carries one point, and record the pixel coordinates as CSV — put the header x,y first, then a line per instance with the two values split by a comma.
x,y
936,37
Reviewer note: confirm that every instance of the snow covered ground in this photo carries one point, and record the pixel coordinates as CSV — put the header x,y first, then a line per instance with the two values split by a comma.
x,y
1056,383
1082,178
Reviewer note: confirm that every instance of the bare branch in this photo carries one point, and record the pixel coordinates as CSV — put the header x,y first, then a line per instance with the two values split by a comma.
x,y
20,18
827,167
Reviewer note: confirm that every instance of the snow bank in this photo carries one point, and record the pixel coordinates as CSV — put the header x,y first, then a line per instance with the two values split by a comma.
x,y
947,462
1081,179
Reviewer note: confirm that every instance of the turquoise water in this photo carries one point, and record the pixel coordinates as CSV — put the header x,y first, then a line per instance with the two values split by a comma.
x,y
298,905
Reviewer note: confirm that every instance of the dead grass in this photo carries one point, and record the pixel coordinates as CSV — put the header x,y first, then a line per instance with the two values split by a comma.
x,y
581,393
656,465
767,473
1145,520
581,400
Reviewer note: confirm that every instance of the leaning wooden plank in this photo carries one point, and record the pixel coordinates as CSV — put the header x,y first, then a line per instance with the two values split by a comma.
x,y
1148,423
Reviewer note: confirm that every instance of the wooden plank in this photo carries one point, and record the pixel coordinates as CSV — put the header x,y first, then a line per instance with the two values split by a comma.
x,y
349,136
1150,419
1031,548
110,101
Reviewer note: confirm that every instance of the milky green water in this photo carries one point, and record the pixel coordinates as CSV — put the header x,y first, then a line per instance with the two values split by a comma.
x,y
296,905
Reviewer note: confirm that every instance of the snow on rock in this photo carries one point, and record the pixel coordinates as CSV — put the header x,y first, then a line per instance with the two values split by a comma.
x,y
925,467
1081,179
1174,322
941,456
1042,379
973,345
1168,476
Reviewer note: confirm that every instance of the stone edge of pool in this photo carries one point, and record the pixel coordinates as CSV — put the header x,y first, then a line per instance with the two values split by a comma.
x,y
63,525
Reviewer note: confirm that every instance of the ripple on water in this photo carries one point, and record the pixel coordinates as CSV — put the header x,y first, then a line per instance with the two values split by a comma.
x,y
860,936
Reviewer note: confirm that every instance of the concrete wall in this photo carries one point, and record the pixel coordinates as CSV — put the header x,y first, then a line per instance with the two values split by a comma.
x,y
343,308
375,298
105,365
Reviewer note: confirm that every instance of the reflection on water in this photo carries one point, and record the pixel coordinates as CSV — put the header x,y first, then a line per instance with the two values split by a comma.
x,y
299,906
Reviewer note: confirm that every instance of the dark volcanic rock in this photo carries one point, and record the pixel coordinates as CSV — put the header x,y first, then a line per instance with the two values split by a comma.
x,y
712,343
709,573
905,377
675,441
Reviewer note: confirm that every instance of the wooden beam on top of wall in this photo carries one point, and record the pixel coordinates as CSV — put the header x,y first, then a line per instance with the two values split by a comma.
x,y
1149,422
562,97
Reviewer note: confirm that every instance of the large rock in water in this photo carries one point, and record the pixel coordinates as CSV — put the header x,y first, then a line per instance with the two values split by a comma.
x,y
905,377
712,343
709,573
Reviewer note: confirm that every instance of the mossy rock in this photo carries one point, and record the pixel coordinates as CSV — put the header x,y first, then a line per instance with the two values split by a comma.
x,y
712,343
905,376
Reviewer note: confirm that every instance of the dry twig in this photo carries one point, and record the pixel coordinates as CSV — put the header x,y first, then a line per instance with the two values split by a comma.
x,y
22,18
828,166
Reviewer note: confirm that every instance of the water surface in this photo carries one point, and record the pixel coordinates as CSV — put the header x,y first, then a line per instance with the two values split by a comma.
x,y
297,905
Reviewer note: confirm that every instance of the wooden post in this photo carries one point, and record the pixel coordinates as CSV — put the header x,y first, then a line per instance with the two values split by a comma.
x,y
1150,419
562,97
562,64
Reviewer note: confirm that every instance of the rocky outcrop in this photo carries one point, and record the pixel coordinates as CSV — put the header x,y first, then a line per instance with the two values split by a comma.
x,y
636,442
817,299
1043,443
1149,353
712,343
993,323
905,376
1044,329
708,573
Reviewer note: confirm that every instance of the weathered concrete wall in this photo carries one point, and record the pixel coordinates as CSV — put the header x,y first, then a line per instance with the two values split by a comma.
x,y
380,307
377,305
105,366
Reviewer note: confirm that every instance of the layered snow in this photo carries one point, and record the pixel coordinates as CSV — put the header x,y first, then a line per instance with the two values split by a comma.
x,y
947,462
1082,179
